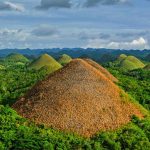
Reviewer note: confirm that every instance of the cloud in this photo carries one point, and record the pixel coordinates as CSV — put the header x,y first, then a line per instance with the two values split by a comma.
x,y
87,36
132,34
46,4
139,43
13,34
91,3
11,38
104,36
8,6
45,31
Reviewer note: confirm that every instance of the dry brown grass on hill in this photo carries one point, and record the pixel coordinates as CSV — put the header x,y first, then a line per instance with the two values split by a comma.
x,y
101,69
77,98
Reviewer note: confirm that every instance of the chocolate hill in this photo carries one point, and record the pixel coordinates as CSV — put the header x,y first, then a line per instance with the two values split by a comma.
x,y
129,62
77,98
14,57
47,62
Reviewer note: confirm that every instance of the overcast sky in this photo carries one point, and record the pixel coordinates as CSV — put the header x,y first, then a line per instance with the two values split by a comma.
x,y
123,24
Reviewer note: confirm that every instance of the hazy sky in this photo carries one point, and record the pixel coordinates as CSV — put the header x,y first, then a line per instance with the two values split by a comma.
x,y
121,24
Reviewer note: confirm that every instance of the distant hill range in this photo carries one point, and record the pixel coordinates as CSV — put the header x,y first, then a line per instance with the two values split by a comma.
x,y
147,58
100,55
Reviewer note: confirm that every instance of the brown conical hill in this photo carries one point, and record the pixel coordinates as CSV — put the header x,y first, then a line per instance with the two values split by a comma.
x,y
101,69
78,98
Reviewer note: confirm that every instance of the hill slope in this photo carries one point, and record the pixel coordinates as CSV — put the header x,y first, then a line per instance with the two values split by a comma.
x,y
147,67
64,59
16,58
101,69
47,62
77,98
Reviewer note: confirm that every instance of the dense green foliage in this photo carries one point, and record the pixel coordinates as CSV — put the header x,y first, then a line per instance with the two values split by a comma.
x,y
2,67
15,80
17,133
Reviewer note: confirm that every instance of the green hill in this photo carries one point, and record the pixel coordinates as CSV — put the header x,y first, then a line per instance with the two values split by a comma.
x,y
47,62
122,57
129,62
16,58
64,59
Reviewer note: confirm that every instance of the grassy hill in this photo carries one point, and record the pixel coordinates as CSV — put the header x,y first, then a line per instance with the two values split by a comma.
x,y
122,57
64,59
129,62
14,57
47,62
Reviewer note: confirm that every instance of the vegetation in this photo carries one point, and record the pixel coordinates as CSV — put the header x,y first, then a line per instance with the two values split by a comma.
x,y
47,62
16,80
2,67
64,59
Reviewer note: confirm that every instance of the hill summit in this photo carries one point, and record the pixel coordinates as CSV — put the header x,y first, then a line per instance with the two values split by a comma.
x,y
77,98
47,62
101,69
